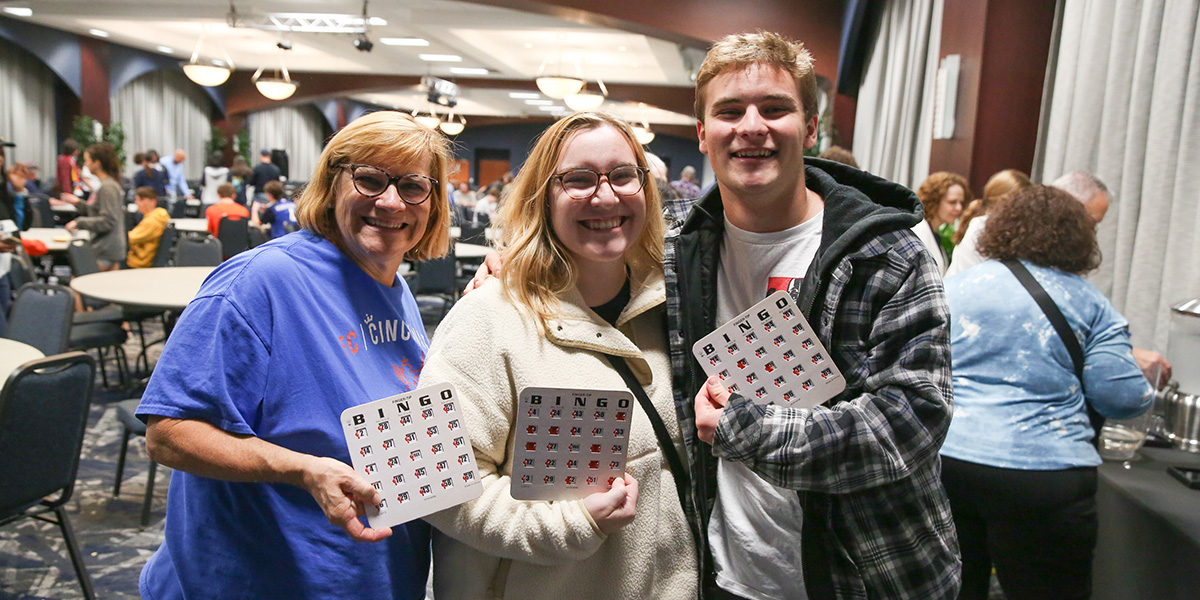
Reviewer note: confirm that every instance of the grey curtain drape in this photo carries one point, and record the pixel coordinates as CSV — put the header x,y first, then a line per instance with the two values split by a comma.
x,y
1124,103
893,124
300,130
164,111
27,111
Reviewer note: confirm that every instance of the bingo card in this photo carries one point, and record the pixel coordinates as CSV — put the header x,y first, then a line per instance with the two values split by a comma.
x,y
569,442
771,355
414,449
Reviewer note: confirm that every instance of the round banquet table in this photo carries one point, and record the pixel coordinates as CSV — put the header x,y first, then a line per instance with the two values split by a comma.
x,y
14,354
168,288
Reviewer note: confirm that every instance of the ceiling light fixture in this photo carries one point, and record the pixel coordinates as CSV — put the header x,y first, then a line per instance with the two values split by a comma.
x,y
440,57
19,11
206,74
451,126
539,102
469,71
643,134
394,41
429,119
521,95
557,85
585,100
100,33
166,49
275,87
361,42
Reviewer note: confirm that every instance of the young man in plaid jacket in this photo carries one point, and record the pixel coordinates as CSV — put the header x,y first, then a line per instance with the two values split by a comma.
x,y
843,500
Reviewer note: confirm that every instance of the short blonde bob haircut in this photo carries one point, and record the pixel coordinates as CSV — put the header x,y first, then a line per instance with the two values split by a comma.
x,y
743,50
538,268
379,138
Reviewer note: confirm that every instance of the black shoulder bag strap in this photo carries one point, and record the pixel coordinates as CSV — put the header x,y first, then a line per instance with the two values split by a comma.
x,y
1046,303
683,483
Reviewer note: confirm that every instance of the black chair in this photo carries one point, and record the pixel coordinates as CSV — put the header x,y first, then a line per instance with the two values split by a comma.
x,y
43,214
83,261
191,252
41,317
436,283
131,426
473,234
43,414
234,233
166,243
258,237
179,209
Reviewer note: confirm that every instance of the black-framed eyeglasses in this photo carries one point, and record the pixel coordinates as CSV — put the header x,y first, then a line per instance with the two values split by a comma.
x,y
582,184
372,181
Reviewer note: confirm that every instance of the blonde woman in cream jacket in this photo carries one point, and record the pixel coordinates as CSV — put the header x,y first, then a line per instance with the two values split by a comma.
x,y
583,278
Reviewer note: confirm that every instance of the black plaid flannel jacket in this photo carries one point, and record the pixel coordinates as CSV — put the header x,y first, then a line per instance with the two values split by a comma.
x,y
865,463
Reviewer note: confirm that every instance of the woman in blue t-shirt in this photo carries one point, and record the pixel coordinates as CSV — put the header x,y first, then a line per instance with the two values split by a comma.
x,y
246,398
1018,461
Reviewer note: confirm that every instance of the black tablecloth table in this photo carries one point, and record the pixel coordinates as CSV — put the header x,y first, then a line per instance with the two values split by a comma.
x,y
1149,543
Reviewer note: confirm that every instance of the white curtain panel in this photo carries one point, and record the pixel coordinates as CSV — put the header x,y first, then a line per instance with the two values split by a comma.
x,y
893,124
1124,103
298,129
164,111
27,111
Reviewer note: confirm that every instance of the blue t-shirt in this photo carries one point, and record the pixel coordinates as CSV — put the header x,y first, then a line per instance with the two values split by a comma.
x,y
1017,401
277,214
279,340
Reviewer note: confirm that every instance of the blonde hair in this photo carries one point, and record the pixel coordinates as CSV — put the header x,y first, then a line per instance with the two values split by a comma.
x,y
998,187
742,50
538,268
379,137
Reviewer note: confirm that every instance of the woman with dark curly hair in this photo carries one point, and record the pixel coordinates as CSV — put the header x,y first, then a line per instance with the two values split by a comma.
x,y
944,195
1018,462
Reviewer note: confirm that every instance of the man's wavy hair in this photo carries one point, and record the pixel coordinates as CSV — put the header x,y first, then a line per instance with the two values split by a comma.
x,y
1045,226
538,268
742,50
377,138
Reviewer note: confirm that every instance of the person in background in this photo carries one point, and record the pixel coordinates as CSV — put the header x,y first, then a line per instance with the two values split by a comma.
x,y
215,174
150,175
943,194
144,238
225,206
583,232
486,206
239,176
264,502
263,172
839,154
9,241
687,185
18,190
658,171
1095,197
177,185
1018,462
279,211
464,197
974,218
105,217
67,170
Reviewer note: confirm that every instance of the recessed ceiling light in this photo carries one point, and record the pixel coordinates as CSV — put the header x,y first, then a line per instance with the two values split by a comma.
x,y
166,50
440,57
19,11
98,33
524,95
377,21
539,102
469,71
550,108
409,41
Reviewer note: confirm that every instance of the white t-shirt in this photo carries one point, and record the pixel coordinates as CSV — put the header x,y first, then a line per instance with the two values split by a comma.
x,y
755,526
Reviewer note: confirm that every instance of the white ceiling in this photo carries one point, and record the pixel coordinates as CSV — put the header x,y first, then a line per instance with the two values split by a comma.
x,y
512,45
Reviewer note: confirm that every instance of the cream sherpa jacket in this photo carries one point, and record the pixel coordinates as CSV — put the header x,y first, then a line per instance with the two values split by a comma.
x,y
498,547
